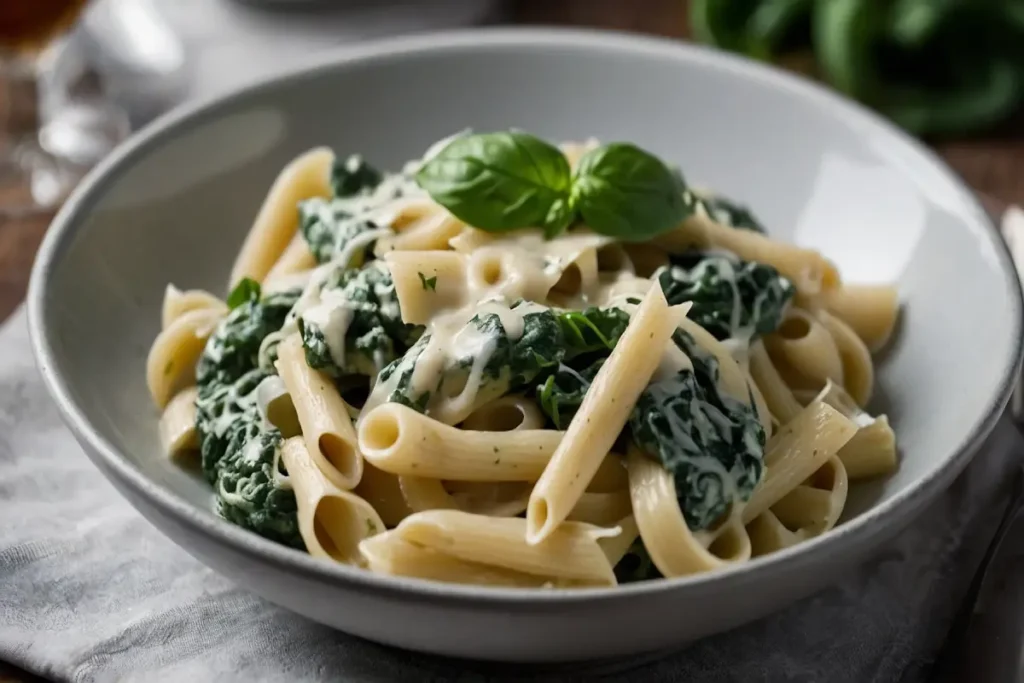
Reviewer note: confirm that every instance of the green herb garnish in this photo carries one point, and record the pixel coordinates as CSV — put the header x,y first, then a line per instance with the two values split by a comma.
x,y
429,283
498,182
245,291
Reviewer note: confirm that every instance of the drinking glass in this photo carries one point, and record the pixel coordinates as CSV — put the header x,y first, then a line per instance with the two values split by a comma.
x,y
54,121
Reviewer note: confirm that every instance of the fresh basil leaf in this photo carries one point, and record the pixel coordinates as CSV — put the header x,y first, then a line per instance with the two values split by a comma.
x,y
245,291
559,218
500,181
626,193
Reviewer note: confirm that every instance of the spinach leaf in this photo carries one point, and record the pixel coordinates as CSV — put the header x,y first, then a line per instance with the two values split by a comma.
x,y
219,407
500,181
731,297
328,226
562,392
353,175
374,334
251,490
233,348
246,290
725,211
712,444
624,192
592,329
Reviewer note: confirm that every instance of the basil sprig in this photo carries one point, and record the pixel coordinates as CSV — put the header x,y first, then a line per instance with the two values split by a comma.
x,y
511,180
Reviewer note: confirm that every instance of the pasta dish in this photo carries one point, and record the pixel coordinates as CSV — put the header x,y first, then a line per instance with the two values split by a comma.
x,y
521,364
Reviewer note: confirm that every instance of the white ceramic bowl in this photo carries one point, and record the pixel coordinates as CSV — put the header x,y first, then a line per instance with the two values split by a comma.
x,y
174,204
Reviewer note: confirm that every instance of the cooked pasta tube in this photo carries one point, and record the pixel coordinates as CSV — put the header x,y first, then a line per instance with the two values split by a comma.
x,y
601,509
427,282
497,499
389,554
598,422
420,225
177,303
305,177
178,424
869,310
803,346
799,449
332,522
815,506
616,547
858,368
382,490
296,258
674,549
610,476
768,535
645,258
810,272
872,450
171,363
777,394
506,414
397,439
323,416
570,553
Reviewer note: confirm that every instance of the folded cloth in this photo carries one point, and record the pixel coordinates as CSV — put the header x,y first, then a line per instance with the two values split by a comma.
x,y
89,591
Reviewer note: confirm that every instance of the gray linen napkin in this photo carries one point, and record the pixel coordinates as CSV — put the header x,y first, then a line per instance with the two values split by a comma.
x,y
89,591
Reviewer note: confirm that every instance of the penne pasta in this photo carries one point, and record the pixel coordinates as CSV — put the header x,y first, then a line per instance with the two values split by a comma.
x,y
597,424
445,376
399,440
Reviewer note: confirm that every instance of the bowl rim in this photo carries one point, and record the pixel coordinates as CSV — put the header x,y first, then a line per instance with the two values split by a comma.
x,y
109,459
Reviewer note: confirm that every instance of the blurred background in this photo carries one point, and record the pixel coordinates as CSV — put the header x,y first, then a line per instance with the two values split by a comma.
x,y
78,76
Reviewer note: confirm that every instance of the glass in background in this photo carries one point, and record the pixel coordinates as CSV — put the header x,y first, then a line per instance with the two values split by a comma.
x,y
55,124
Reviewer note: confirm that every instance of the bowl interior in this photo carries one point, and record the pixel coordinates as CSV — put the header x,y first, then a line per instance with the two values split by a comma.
x,y
175,207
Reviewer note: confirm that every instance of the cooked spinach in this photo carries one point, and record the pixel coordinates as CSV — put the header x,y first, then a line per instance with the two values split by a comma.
x,y
251,487
246,290
232,349
329,226
352,176
711,443
562,392
731,297
238,448
374,333
549,336
727,212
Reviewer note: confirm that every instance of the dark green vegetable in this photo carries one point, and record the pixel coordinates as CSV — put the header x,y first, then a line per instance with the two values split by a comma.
x,y
375,334
624,192
233,347
250,491
352,176
731,297
239,450
429,283
712,444
728,212
329,227
246,290
562,392
499,181
936,67
549,337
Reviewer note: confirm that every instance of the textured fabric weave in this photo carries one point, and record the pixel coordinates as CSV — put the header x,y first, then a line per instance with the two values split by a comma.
x,y
90,591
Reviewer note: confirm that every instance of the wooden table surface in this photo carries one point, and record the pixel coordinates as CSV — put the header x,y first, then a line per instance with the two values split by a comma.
x,y
993,164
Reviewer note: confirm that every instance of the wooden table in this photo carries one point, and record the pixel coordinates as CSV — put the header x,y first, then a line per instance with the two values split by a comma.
x,y
993,165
